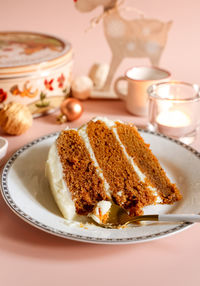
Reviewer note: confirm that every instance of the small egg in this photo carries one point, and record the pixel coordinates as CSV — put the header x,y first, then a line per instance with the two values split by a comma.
x,y
98,73
81,87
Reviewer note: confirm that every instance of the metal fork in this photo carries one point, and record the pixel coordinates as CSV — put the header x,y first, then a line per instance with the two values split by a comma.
x,y
123,219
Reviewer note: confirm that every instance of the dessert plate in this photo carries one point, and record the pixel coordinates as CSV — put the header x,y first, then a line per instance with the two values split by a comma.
x,y
26,191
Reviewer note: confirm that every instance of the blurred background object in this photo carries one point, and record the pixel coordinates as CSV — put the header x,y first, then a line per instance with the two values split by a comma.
x,y
141,37
62,19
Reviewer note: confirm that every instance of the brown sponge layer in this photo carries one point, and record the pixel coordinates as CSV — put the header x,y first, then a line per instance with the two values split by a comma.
x,y
127,190
79,172
147,162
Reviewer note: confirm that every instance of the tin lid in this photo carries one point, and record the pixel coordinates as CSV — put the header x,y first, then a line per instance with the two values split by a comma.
x,y
27,52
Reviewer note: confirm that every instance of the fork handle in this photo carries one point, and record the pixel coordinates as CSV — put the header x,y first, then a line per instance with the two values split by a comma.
x,y
179,217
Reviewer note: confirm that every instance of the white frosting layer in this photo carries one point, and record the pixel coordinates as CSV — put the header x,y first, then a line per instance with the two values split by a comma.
x,y
102,209
58,186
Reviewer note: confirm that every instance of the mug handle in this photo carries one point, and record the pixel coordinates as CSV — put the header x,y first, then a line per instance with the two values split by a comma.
x,y
116,89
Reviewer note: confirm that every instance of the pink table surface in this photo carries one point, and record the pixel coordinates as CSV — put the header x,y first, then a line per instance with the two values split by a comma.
x,y
30,257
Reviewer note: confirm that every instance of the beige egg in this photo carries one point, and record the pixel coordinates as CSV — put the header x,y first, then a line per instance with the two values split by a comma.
x,y
98,74
82,87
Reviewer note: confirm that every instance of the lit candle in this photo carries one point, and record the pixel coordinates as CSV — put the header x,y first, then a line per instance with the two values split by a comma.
x,y
174,123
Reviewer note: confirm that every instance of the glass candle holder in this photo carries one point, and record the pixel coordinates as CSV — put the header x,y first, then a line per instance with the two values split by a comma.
x,y
174,109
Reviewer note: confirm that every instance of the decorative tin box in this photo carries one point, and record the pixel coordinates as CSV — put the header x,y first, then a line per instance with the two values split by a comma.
x,y
34,68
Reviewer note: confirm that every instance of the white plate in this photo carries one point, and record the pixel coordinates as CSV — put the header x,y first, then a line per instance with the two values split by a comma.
x,y
26,191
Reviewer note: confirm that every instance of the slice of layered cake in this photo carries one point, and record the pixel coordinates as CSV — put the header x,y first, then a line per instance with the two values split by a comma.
x,y
106,163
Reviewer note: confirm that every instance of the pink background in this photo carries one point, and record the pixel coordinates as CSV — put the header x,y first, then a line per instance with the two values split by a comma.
x,y
59,17
31,257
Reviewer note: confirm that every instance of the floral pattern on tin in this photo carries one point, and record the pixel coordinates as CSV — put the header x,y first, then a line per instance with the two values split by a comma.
x,y
42,103
3,95
61,80
25,92
48,84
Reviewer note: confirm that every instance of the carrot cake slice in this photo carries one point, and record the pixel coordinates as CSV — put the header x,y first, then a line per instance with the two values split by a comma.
x,y
105,163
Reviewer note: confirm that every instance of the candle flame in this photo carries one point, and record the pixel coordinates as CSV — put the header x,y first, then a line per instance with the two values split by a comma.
x,y
173,118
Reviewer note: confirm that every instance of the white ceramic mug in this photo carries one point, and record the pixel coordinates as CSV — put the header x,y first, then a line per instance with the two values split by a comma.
x,y
139,79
